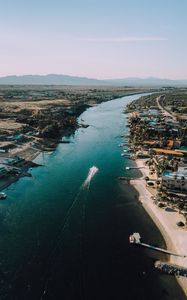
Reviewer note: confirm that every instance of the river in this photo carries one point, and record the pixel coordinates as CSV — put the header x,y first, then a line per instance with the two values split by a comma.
x,y
60,240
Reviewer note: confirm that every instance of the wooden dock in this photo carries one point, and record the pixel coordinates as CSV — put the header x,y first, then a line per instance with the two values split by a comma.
x,y
135,239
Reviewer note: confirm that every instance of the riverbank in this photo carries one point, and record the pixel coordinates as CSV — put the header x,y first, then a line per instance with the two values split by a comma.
x,y
28,154
174,236
35,118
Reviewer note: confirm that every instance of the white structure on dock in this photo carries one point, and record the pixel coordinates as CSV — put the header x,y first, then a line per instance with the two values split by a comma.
x,y
135,239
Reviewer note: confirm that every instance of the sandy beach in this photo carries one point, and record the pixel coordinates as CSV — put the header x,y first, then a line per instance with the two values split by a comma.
x,y
174,236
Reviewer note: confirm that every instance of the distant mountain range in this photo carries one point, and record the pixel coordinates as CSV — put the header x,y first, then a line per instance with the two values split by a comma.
x,y
54,79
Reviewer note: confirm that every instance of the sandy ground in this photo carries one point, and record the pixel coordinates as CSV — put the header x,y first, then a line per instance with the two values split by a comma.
x,y
175,237
32,105
11,125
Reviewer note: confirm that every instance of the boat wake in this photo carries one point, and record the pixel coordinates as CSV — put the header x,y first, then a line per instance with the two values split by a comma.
x,y
93,170
80,196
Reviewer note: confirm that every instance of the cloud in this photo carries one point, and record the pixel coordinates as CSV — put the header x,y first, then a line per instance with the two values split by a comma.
x,y
123,39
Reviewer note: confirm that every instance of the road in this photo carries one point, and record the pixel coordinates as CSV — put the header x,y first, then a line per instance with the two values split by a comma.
x,y
165,112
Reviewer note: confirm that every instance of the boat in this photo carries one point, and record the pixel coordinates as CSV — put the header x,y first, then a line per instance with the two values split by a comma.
x,y
121,145
65,142
126,154
3,196
122,178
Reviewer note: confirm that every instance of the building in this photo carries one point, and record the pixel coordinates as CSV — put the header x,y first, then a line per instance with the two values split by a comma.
x,y
175,180
14,160
3,171
142,154
159,151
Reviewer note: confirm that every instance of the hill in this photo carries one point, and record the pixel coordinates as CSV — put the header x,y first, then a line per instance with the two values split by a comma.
x,y
54,79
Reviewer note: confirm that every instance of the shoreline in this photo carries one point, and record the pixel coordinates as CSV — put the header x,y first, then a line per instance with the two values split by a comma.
x,y
175,237
29,153
29,157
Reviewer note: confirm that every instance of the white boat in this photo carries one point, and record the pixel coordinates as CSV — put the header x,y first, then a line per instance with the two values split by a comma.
x,y
127,168
125,154
2,196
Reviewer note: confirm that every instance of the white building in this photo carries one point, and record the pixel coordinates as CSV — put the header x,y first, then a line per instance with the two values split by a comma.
x,y
175,180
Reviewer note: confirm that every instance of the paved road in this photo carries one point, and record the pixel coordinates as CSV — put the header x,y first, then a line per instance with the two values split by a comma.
x,y
166,113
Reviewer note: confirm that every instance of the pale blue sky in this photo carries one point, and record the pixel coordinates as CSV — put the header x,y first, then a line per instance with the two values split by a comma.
x,y
94,38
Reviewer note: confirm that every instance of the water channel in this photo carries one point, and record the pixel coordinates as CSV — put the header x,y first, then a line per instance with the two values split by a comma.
x,y
62,240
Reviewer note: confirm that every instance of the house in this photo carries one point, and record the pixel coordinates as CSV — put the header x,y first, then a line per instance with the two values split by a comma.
x,y
3,171
14,160
142,154
175,180
150,143
159,151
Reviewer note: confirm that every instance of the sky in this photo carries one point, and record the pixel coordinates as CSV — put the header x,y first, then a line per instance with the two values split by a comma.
x,y
94,38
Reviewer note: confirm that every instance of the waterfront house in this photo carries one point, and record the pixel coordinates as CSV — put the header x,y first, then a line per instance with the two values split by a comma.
x,y
142,154
175,180
12,161
159,151
3,171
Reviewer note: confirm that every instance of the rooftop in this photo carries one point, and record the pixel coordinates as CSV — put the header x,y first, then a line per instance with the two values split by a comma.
x,y
168,152
180,174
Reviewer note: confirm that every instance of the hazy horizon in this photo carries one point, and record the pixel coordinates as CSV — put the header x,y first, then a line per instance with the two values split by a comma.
x,y
89,77
87,38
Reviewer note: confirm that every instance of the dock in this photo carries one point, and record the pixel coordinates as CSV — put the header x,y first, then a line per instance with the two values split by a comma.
x,y
135,239
134,168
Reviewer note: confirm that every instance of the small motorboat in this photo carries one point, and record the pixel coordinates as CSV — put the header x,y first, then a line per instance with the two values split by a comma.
x,y
122,178
3,196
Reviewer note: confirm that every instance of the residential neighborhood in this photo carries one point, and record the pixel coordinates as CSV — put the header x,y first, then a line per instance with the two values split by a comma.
x,y
158,136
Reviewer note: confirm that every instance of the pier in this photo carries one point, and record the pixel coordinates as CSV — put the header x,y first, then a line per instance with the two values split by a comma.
x,y
135,239
134,168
